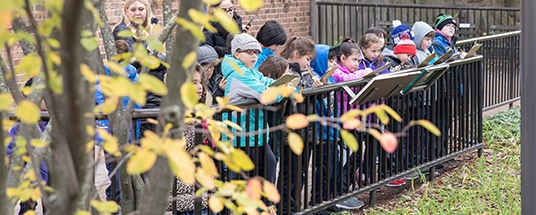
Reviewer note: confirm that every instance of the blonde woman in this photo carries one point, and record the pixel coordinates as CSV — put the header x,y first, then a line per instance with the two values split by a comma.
x,y
137,17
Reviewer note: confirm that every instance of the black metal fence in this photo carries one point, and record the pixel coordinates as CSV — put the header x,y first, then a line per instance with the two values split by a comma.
x,y
502,80
337,20
327,172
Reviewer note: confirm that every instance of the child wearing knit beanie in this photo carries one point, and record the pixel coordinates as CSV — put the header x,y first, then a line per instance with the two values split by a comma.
x,y
444,35
403,54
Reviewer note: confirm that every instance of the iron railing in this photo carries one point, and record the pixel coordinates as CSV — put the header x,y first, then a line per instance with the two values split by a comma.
x,y
337,20
502,80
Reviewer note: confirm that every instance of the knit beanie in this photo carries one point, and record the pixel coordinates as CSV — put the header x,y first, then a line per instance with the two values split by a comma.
x,y
244,42
398,30
405,46
206,54
442,20
271,33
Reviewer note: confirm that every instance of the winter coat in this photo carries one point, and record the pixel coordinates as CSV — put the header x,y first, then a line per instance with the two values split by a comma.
x,y
320,62
130,40
372,65
389,56
442,45
343,74
218,39
246,87
265,53
420,29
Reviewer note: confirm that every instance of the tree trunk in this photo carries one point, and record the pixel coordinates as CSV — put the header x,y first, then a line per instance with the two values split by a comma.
x,y
158,184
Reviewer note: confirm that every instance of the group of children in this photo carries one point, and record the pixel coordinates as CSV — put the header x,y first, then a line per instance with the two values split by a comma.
x,y
260,67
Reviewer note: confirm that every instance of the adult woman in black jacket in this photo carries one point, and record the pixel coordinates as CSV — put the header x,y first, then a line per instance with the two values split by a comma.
x,y
138,18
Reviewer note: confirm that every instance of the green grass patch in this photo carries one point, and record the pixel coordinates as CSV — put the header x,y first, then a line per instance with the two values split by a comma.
x,y
488,185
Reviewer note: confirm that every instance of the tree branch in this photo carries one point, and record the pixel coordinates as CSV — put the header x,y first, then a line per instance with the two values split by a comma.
x,y
106,32
155,195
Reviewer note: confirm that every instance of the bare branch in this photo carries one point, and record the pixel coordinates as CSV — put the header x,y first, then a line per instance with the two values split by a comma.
x,y
20,26
106,32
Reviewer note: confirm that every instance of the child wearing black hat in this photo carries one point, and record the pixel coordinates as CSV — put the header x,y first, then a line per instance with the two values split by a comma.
x,y
270,36
444,38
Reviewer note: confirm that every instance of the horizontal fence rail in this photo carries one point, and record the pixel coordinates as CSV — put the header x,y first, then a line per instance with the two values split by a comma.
x,y
502,79
337,20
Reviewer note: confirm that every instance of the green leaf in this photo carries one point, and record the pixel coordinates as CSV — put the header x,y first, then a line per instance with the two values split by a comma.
x,y
240,158
295,143
189,94
350,140
28,112
189,60
153,84
428,126
125,33
89,43
250,5
5,101
142,161
156,44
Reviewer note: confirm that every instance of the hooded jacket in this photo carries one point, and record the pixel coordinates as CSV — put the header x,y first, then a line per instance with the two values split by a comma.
x,y
420,29
320,62
265,53
246,87
218,39
442,45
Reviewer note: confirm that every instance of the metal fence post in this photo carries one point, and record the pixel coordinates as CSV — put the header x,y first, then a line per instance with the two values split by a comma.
x,y
528,122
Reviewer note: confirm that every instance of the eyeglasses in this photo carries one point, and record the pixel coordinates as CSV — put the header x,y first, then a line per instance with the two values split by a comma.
x,y
450,25
228,10
250,52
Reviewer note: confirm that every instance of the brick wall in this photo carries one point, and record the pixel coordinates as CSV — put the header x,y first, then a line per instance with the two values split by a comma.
x,y
293,15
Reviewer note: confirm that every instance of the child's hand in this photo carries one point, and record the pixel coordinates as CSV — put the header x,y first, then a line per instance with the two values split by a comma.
x,y
368,70
397,68
317,82
223,82
462,56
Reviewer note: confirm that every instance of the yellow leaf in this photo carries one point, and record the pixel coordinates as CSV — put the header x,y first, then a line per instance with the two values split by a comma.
x,y
269,95
375,133
391,112
26,194
271,192
295,143
90,146
138,94
427,125
109,106
233,125
250,5
26,90
240,158
226,22
156,44
352,114
90,130
203,19
36,194
30,65
89,43
54,57
215,204
152,121
151,62
350,140
26,158
82,212
53,43
180,162
352,124
285,91
152,84
189,94
29,212
38,143
142,161
5,101
204,178
104,207
189,60
28,112
208,164
13,192
118,69
297,121
88,74
235,66
382,116
194,29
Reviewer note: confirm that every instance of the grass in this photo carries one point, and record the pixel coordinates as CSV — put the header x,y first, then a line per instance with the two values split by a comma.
x,y
487,185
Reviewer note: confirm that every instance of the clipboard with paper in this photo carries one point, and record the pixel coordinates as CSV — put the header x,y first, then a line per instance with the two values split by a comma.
x,y
473,50
328,74
377,71
444,57
284,79
427,78
384,86
427,60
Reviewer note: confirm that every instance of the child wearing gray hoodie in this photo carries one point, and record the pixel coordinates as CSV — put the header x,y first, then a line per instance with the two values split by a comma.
x,y
424,35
